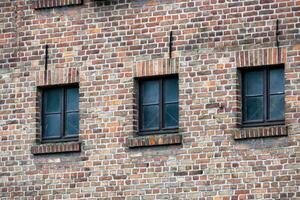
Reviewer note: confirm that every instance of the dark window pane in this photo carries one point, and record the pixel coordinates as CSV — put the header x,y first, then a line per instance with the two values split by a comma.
x,y
51,126
53,100
171,115
254,108
170,90
150,92
150,117
276,80
254,83
72,123
276,107
72,99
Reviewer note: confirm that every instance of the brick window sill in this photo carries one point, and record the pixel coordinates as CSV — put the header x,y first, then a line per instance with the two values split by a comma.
x,y
39,4
154,140
56,148
261,132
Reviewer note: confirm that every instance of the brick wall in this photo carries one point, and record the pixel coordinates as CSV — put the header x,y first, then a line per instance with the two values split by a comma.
x,y
104,46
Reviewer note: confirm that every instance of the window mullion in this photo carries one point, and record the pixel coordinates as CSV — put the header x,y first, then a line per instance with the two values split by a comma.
x,y
244,108
140,106
267,95
161,122
63,113
43,113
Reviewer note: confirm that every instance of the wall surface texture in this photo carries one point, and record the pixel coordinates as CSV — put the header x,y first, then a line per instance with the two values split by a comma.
x,y
104,45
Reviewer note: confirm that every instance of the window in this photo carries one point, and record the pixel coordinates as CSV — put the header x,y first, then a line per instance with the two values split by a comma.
x,y
263,96
60,115
158,105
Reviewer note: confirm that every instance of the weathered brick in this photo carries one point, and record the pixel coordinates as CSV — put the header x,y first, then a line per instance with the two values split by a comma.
x,y
103,46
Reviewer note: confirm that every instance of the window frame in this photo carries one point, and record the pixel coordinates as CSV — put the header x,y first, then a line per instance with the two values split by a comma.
x,y
63,137
266,96
160,130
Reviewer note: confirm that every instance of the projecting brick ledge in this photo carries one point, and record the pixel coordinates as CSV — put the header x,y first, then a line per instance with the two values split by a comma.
x,y
154,140
259,132
56,148
38,4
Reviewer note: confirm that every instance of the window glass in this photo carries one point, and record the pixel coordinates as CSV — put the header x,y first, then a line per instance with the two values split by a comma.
x,y
72,123
254,83
277,107
151,117
72,99
150,92
171,115
276,81
170,90
53,100
52,126
254,108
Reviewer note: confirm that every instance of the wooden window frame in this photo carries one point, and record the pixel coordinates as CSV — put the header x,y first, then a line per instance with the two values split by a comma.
x,y
266,97
63,137
161,129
